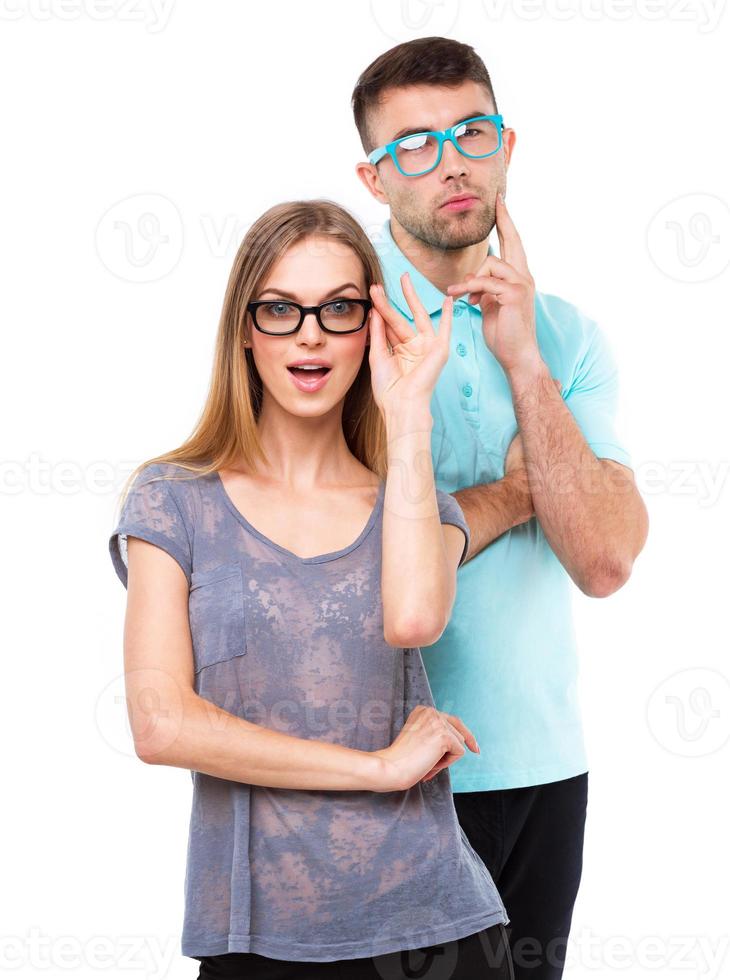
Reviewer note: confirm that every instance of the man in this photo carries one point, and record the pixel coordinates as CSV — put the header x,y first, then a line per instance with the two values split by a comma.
x,y
542,477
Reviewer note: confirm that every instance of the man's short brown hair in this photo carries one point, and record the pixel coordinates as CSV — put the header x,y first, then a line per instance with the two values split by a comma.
x,y
423,61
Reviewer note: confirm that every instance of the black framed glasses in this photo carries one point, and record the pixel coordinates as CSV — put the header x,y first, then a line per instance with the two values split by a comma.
x,y
280,317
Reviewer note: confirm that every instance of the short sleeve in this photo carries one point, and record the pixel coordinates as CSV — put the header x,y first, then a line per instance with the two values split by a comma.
x,y
450,512
593,396
151,511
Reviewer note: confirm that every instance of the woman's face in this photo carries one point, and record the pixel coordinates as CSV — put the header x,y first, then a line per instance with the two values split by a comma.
x,y
315,270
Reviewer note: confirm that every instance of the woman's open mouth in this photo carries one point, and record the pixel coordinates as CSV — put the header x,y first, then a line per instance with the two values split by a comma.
x,y
309,379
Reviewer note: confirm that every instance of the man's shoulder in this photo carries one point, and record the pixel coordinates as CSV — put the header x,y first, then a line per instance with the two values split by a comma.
x,y
561,317
564,330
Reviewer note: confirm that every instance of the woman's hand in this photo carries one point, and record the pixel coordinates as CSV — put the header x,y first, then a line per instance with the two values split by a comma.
x,y
410,372
429,741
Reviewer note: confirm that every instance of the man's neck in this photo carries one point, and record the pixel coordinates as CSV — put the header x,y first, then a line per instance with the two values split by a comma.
x,y
441,267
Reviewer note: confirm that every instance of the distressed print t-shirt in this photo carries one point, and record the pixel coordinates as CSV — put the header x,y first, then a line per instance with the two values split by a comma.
x,y
297,645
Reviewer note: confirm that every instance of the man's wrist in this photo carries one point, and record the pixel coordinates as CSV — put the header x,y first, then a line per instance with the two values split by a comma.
x,y
529,373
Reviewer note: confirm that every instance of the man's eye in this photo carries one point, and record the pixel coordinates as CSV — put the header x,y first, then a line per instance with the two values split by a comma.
x,y
413,142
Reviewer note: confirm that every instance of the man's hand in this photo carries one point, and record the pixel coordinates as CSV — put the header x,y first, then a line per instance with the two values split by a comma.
x,y
505,290
515,474
515,458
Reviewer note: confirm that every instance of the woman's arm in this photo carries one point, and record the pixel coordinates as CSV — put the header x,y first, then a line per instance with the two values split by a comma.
x,y
420,555
171,725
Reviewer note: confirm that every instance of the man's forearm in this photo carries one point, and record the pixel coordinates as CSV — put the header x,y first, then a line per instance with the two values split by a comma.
x,y
491,509
592,515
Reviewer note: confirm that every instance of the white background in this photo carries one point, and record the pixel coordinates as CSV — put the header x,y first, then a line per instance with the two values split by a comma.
x,y
619,187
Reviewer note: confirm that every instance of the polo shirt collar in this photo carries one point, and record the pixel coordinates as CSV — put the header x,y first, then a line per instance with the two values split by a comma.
x,y
394,263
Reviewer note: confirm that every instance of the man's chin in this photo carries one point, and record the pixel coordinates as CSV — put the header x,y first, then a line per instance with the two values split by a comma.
x,y
451,237
450,231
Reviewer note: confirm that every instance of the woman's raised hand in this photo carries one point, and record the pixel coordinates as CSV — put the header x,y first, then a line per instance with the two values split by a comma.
x,y
410,372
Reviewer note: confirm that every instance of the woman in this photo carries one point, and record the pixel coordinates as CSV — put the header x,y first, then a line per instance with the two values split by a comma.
x,y
277,599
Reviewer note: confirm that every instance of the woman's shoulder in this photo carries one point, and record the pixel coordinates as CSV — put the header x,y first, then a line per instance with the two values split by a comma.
x,y
178,483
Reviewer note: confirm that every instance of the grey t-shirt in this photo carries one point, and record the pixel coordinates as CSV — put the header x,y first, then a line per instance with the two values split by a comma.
x,y
296,644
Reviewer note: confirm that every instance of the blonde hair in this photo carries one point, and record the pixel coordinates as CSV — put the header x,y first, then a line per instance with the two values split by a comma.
x,y
226,430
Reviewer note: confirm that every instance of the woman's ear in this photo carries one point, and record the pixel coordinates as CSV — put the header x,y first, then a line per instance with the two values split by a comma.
x,y
248,329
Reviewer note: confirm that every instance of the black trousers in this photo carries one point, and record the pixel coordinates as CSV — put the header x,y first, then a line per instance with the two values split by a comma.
x,y
531,839
482,956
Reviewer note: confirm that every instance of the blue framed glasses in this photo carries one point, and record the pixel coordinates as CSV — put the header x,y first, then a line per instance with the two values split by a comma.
x,y
419,153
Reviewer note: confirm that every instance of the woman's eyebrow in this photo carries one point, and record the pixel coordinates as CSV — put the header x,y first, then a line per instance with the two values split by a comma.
x,y
337,289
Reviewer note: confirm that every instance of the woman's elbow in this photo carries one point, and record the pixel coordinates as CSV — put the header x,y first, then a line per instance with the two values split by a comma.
x,y
151,750
419,631
157,736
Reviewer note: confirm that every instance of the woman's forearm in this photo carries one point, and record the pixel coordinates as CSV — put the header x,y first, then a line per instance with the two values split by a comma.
x,y
417,585
198,735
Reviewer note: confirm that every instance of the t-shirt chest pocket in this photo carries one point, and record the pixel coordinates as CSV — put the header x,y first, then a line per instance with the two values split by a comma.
x,y
216,612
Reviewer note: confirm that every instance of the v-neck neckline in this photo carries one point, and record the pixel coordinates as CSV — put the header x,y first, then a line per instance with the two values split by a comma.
x,y
328,556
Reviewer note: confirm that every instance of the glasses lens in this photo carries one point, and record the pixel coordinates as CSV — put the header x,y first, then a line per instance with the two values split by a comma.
x,y
477,137
417,153
277,316
343,314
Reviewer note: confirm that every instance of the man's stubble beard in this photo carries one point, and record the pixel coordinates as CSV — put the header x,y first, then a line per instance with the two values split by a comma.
x,y
448,232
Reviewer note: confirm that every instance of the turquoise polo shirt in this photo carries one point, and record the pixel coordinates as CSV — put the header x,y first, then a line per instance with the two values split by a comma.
x,y
507,662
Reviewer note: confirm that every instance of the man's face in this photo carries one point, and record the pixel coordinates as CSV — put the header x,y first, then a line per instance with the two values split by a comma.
x,y
417,203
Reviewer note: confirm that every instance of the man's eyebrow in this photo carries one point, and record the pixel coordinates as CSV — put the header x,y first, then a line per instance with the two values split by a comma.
x,y
411,130
332,292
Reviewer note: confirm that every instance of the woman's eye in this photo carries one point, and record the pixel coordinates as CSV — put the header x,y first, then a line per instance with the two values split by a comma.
x,y
340,306
278,309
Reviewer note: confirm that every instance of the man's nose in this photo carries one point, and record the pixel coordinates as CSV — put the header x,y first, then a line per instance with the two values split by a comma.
x,y
452,161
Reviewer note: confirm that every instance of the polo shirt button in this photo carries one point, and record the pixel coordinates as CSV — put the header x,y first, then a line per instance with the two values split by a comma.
x,y
458,309
467,390
461,350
